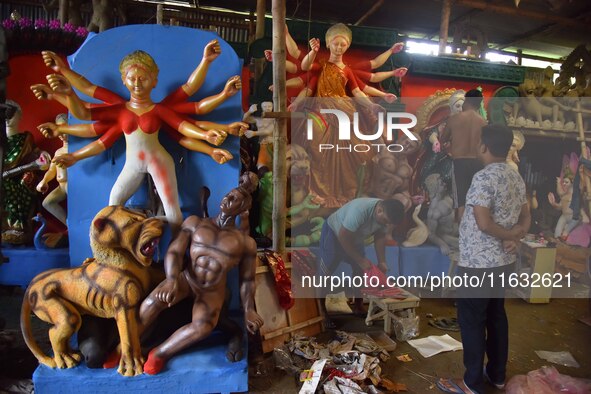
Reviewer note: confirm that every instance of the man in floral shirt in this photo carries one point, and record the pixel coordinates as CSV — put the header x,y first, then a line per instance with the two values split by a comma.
x,y
495,219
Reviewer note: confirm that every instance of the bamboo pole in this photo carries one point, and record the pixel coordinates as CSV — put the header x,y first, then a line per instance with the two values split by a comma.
x,y
561,135
369,13
280,132
260,28
444,27
160,14
63,12
584,153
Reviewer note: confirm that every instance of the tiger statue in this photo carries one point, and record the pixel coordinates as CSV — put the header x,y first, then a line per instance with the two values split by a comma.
x,y
301,211
111,285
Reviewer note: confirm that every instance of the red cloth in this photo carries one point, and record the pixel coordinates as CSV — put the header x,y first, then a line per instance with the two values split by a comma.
x,y
375,271
282,279
382,291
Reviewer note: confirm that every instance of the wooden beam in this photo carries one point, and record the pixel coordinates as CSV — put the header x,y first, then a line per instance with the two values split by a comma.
x,y
505,10
516,39
293,328
285,114
456,20
280,132
534,57
545,29
444,27
525,55
552,134
369,13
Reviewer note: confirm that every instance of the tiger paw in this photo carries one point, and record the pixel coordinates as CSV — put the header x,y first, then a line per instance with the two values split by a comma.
x,y
67,360
131,365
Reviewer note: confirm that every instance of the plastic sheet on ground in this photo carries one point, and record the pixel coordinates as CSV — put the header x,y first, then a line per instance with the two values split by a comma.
x,y
561,358
547,380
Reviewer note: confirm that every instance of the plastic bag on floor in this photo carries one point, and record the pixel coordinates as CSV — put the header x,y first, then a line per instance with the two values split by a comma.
x,y
406,328
344,342
547,380
358,366
282,360
342,386
306,347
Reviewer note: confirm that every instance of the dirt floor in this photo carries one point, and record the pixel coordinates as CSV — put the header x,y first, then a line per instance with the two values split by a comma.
x,y
552,327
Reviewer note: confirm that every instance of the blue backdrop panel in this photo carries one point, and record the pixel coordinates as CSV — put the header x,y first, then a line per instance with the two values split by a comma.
x,y
420,260
25,263
392,259
203,369
177,51
423,260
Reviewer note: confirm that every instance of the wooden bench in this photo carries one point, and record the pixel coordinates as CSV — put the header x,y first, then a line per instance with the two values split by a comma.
x,y
390,309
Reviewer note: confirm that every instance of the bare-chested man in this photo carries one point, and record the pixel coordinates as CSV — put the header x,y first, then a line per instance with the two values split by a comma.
x,y
392,173
215,247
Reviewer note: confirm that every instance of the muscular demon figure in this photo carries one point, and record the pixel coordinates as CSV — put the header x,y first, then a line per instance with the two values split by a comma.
x,y
215,247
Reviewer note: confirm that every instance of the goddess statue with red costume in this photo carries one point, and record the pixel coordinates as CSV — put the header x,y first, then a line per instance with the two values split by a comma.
x,y
139,120
337,177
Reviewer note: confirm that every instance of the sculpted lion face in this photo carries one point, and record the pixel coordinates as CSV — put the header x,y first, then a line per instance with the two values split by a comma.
x,y
298,165
527,88
119,228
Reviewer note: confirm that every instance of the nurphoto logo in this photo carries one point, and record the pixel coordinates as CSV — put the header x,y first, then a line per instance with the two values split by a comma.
x,y
387,123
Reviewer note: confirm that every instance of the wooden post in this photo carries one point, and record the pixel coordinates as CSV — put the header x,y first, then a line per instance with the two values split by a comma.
x,y
63,11
444,27
160,14
251,27
280,132
261,9
584,155
259,64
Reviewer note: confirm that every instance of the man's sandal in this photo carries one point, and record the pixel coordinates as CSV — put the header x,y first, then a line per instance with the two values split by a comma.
x,y
500,386
445,323
448,385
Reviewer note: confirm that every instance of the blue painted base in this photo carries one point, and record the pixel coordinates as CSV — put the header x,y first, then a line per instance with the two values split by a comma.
x,y
201,369
25,263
